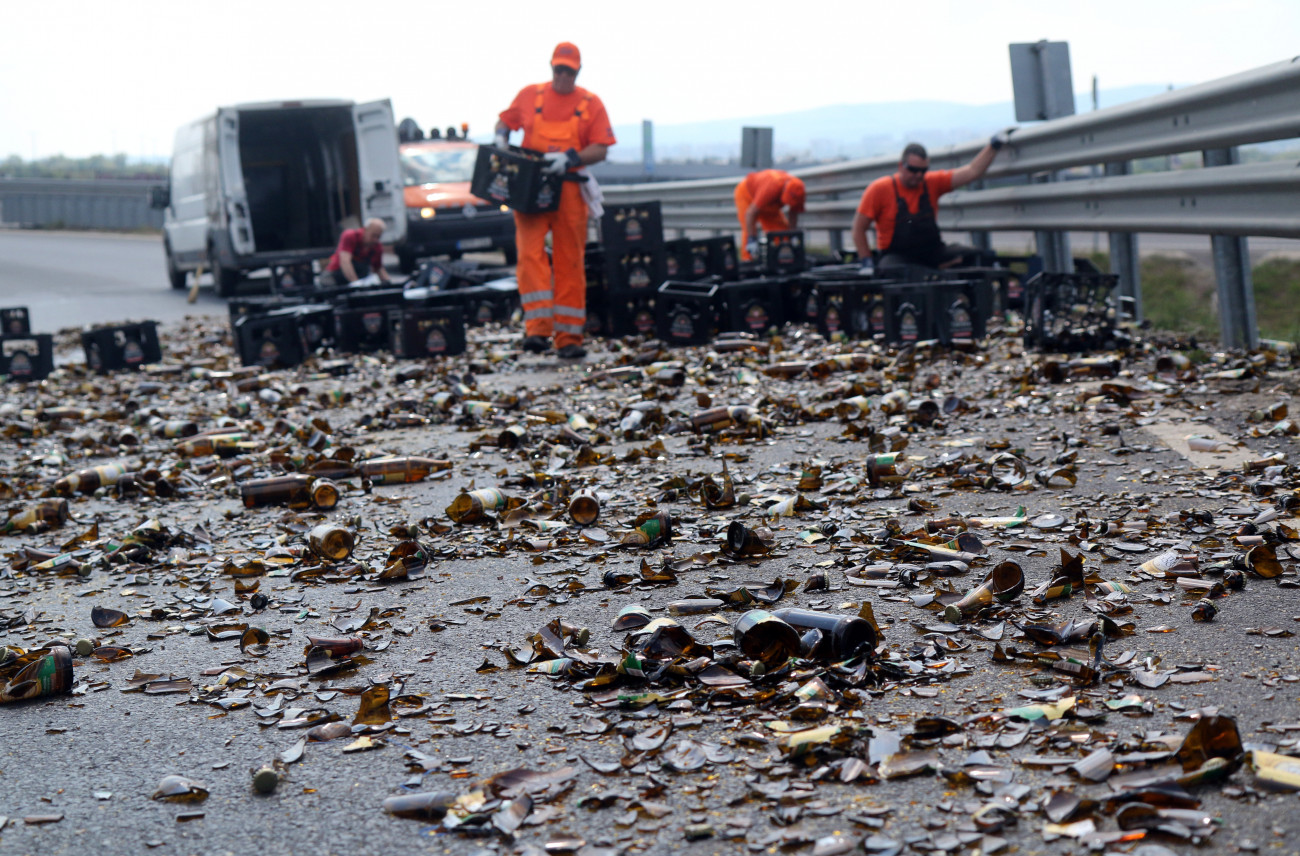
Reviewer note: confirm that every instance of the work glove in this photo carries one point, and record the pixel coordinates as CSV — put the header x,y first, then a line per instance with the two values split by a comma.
x,y
868,267
1001,138
752,249
557,163
502,140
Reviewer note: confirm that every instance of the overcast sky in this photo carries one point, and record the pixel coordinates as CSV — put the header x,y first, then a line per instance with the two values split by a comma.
x,y
82,78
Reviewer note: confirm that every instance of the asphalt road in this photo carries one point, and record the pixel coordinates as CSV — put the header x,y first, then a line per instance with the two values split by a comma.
x,y
94,758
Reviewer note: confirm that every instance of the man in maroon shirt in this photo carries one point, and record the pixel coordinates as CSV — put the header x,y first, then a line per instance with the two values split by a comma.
x,y
359,253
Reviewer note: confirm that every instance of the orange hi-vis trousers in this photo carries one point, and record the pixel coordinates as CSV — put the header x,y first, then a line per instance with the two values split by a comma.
x,y
771,219
554,292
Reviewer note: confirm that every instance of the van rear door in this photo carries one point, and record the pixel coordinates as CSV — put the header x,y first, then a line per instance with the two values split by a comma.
x,y
379,168
233,193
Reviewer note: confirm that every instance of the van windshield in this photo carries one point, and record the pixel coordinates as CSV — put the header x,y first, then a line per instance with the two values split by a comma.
x,y
437,166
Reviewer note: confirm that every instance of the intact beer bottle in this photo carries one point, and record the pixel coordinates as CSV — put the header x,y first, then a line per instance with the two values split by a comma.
x,y
838,637
89,480
401,470
718,418
296,491
46,514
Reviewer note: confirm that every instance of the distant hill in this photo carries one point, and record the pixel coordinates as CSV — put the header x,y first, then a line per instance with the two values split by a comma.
x,y
846,130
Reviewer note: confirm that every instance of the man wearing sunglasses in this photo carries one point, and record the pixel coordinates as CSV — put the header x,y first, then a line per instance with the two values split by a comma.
x,y
903,207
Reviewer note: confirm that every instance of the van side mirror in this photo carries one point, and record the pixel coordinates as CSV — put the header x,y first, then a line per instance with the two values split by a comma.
x,y
160,196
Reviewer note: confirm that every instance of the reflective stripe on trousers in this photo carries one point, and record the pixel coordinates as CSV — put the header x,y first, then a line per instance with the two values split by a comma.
x,y
553,291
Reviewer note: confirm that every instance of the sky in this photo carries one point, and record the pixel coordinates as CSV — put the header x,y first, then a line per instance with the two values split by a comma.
x,y
80,78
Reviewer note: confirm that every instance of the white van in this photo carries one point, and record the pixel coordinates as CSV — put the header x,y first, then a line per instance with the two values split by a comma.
x,y
273,185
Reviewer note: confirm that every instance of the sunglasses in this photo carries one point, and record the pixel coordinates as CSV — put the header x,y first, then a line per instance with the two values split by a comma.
x,y
919,170
564,69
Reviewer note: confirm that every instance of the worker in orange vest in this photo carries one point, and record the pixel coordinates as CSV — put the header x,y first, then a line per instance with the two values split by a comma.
x,y
570,125
759,198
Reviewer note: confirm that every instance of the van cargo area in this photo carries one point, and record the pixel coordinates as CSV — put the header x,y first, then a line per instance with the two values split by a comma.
x,y
300,173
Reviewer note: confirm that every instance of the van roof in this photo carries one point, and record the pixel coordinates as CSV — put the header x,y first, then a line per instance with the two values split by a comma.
x,y
289,104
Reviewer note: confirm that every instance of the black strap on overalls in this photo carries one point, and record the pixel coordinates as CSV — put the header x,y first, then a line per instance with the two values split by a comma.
x,y
916,236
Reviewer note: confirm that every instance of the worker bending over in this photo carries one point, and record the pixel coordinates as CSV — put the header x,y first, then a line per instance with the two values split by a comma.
x,y
759,199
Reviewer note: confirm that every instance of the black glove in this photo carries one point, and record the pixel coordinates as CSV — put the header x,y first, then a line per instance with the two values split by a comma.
x,y
574,160
1001,138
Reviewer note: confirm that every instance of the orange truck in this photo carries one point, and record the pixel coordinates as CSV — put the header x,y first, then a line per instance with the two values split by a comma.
x,y
442,217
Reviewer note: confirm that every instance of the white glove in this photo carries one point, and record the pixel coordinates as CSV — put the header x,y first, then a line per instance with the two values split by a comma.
x,y
868,268
752,249
557,163
1001,138
502,140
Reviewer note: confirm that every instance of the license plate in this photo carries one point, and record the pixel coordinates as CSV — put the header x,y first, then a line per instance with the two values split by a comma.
x,y
473,243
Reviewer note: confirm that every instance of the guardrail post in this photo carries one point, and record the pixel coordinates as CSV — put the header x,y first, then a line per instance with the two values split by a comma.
x,y
1238,326
1124,254
1053,246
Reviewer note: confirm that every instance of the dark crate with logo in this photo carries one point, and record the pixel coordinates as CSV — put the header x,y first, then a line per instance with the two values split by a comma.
x,y
240,307
1071,311
123,346
635,225
638,271
271,339
686,313
428,331
630,314
24,358
315,325
480,304
514,177
593,265
961,309
840,309
907,313
799,297
723,260
597,311
361,320
686,261
15,321
783,252
755,306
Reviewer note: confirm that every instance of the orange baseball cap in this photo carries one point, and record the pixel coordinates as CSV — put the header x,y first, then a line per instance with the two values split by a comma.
x,y
566,53
794,194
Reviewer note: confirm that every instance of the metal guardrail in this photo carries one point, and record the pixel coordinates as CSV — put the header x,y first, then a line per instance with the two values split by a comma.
x,y
1224,199
89,204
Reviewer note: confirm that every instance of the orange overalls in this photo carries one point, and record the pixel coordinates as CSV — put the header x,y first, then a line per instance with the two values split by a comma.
x,y
769,217
554,293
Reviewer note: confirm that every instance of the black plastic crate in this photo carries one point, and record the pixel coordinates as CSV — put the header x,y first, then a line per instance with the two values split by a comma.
x,y
907,313
428,331
639,271
799,298
723,260
362,330
15,321
240,307
686,313
593,264
631,314
514,177
961,309
635,225
122,346
315,325
597,311
271,339
480,304
685,260
1070,311
783,252
24,358
840,313
751,307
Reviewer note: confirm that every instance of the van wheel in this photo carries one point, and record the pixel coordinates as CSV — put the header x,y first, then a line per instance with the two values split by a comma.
x,y
224,279
175,275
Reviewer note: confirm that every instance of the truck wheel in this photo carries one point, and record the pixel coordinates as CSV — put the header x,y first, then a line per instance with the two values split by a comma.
x,y
175,275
